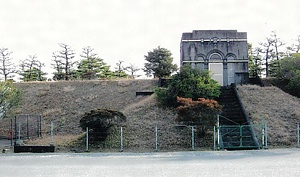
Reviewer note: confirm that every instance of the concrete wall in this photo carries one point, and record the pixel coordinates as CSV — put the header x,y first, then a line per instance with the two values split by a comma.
x,y
229,47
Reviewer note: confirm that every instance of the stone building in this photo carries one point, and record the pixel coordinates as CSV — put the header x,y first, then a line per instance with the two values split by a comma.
x,y
223,52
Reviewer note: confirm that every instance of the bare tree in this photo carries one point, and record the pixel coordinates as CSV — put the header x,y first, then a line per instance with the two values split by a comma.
x,y
132,69
31,69
294,48
57,65
267,50
40,74
6,65
27,65
277,42
66,55
120,69
88,53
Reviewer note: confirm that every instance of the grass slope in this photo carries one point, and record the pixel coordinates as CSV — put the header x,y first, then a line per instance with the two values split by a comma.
x,y
65,102
143,117
280,110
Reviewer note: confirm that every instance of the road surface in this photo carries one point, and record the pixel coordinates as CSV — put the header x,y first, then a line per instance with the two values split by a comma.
x,y
276,162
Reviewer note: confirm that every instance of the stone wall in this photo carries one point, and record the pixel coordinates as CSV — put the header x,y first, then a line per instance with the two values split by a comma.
x,y
205,48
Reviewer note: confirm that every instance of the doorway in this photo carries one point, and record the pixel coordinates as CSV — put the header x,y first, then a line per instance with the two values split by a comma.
x,y
217,72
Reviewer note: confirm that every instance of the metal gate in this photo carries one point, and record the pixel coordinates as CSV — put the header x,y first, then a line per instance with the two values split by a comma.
x,y
237,136
241,136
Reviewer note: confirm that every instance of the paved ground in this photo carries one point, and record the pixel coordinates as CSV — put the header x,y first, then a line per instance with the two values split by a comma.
x,y
278,162
5,142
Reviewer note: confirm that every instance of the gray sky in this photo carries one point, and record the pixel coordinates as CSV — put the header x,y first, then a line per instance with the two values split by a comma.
x,y
127,29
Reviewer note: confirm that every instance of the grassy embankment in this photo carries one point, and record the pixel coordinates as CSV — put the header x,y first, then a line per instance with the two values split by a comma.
x,y
65,102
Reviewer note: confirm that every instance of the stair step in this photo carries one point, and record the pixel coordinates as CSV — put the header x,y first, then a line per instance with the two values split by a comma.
x,y
232,137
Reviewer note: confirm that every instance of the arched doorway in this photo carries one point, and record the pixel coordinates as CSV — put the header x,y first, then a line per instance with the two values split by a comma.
x,y
216,67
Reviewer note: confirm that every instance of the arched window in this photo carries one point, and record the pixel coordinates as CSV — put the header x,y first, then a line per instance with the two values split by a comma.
x,y
215,56
230,56
200,57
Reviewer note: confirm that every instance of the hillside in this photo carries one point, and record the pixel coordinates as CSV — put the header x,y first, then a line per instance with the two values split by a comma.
x,y
65,102
280,110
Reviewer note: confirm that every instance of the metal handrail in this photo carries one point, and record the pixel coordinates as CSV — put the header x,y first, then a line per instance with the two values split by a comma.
x,y
231,130
229,120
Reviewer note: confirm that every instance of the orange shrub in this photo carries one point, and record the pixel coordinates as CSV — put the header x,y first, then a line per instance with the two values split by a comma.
x,y
200,112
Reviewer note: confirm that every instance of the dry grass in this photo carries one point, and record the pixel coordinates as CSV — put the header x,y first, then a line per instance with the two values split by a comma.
x,y
61,140
144,116
65,102
279,109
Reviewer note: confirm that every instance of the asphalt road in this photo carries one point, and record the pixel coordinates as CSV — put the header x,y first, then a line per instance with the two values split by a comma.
x,y
5,142
276,162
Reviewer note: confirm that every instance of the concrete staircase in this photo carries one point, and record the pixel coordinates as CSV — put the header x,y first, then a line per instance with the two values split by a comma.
x,y
235,129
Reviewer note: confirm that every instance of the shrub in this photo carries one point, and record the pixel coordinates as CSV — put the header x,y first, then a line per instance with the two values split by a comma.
x,y
99,121
290,70
188,83
9,97
202,112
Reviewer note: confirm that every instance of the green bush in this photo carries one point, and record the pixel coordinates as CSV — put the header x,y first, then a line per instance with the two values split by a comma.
x,y
188,83
9,97
290,70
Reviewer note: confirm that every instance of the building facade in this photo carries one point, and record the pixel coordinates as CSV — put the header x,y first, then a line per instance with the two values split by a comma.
x,y
223,52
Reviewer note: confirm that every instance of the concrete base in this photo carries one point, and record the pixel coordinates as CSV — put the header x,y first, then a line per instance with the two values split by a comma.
x,y
34,149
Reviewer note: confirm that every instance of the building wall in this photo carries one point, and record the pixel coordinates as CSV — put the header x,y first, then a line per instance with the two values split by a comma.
x,y
229,47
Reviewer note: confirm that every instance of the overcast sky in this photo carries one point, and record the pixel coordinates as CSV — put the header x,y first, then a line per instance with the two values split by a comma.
x,y
127,29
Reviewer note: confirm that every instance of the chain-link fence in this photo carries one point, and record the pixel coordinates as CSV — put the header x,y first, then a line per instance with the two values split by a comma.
x,y
123,138
126,138
147,139
26,127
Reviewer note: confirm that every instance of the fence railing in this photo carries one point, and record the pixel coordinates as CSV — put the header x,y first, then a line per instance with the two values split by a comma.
x,y
261,133
298,135
143,138
187,138
154,139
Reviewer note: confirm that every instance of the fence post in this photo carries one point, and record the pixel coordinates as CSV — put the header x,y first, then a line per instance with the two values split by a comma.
x,y
263,132
121,138
298,135
37,125
214,138
19,136
27,126
266,139
40,126
11,132
241,135
16,129
156,139
51,134
193,138
87,140
218,131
